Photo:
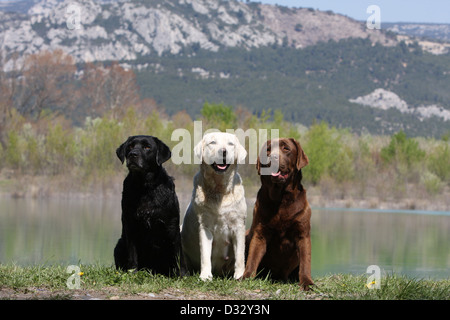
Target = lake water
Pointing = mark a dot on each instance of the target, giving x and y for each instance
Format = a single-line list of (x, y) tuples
[(74, 231)]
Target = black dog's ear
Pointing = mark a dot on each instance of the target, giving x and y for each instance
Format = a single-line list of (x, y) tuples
[(120, 151), (163, 153)]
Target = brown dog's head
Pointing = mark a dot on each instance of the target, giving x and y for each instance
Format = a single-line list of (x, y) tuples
[(281, 161)]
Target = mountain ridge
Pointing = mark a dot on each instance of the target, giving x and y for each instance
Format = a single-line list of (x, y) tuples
[(118, 30)]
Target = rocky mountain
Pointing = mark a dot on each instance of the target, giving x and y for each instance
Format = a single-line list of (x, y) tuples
[(125, 30), (435, 31), (434, 38), (313, 65), (385, 100)]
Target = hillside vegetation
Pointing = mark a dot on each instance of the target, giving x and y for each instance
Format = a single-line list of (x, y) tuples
[(315, 83), (48, 157)]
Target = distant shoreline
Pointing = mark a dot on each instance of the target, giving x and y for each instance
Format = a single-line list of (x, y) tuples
[(406, 211), (317, 202)]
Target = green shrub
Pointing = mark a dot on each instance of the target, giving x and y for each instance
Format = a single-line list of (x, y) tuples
[(13, 156), (404, 155), (98, 143), (326, 154), (218, 116), (33, 154), (432, 183), (60, 148), (439, 162), (402, 149)]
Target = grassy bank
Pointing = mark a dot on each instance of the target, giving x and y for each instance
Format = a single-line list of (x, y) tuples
[(104, 282)]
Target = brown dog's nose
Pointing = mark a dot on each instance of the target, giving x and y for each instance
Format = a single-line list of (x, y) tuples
[(275, 156)]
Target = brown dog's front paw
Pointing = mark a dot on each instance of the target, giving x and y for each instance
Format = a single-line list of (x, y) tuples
[(305, 284), (247, 274)]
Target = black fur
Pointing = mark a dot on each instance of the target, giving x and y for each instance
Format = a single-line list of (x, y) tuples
[(150, 210)]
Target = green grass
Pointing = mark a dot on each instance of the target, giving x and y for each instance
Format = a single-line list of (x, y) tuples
[(105, 282)]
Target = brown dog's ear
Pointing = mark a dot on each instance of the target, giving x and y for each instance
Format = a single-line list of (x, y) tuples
[(262, 152), (258, 166), (302, 159)]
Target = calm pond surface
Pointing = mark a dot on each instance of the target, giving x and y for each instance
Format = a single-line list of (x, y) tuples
[(74, 231)]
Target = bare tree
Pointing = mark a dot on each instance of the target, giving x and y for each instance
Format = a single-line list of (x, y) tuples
[(47, 82), (109, 89), (8, 88)]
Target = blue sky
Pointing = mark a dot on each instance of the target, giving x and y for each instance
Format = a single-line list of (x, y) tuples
[(430, 11), (425, 11)]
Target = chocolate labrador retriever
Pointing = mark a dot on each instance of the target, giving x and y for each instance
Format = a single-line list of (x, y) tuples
[(279, 239), (151, 237)]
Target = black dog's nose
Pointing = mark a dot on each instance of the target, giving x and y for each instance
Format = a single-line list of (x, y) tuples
[(133, 153)]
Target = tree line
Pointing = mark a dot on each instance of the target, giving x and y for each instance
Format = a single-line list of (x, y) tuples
[(60, 120), (50, 84), (339, 159)]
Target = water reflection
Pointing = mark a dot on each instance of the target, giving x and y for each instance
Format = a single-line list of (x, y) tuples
[(85, 231), (403, 243), (58, 231)]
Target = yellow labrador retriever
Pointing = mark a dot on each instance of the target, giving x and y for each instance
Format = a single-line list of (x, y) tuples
[(213, 232)]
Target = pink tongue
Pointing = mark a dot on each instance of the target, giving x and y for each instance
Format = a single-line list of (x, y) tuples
[(221, 167), (276, 174)]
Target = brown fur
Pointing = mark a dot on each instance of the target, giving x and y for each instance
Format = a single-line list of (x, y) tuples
[(279, 239)]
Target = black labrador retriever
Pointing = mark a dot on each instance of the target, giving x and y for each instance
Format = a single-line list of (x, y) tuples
[(150, 211)]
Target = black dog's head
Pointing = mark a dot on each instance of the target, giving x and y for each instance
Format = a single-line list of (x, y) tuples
[(143, 153)]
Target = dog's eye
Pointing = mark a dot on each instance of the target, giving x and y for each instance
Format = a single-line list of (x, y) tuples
[(212, 142), (230, 143), (147, 147), (286, 148)]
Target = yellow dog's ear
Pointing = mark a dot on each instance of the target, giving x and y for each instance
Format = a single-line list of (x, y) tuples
[(240, 152), (302, 159)]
